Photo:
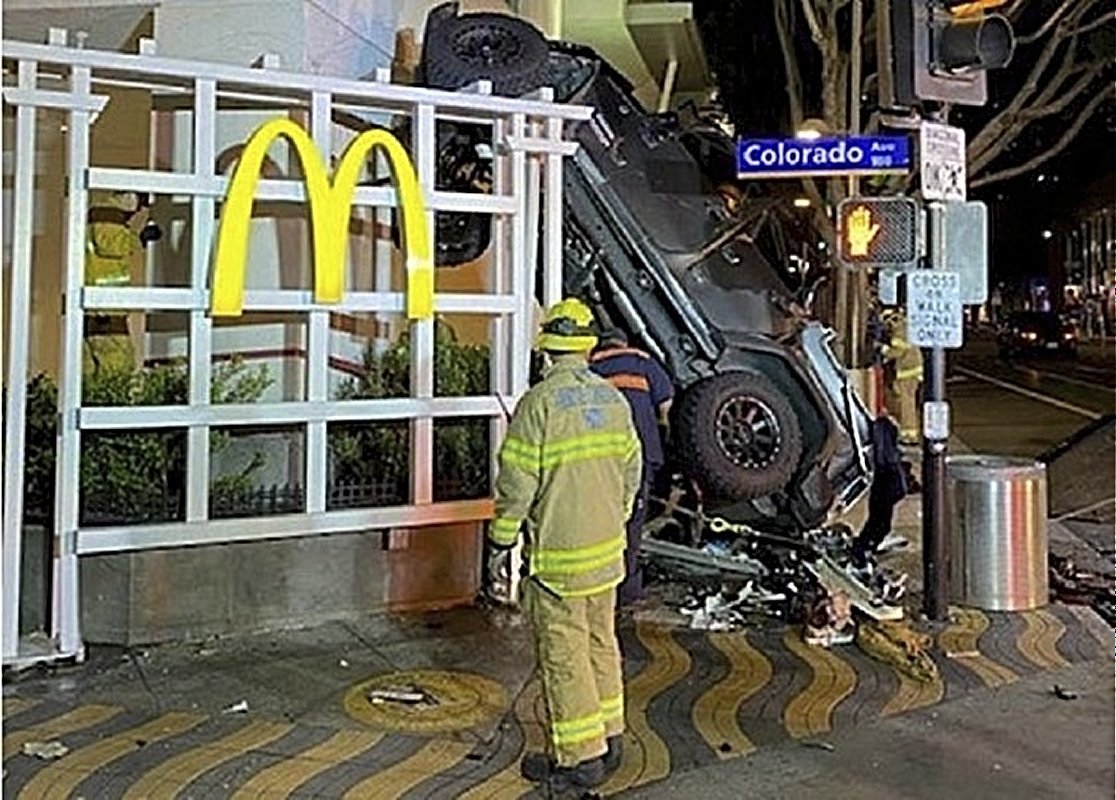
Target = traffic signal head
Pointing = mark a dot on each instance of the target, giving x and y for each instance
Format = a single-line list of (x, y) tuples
[(878, 232), (963, 43), (940, 50)]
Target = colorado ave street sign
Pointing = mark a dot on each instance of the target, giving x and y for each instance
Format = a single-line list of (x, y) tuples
[(934, 311), (846, 155)]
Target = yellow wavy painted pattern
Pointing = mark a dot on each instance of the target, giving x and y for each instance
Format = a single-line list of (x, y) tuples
[(1039, 639), (716, 713), (810, 712), (508, 784), (959, 641), (646, 757)]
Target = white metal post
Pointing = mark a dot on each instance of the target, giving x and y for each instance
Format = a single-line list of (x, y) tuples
[(422, 331), (501, 325), (522, 284), (202, 209), (19, 330), (317, 349), (66, 626), (552, 210), (523, 289), (530, 264)]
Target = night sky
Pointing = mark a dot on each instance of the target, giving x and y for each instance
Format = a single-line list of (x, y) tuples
[(742, 46)]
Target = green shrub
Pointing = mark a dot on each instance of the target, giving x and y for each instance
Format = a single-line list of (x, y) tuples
[(132, 475), (380, 453)]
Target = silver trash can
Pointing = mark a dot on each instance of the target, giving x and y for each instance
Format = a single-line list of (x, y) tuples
[(998, 549)]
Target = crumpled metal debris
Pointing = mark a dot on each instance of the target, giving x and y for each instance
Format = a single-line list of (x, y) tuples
[(830, 621), (409, 695), (1063, 693), (1071, 584), (240, 707), (900, 646), (729, 608), (735, 571), (47, 751)]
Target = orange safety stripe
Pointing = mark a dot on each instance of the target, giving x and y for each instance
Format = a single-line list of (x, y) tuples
[(603, 355), (628, 381)]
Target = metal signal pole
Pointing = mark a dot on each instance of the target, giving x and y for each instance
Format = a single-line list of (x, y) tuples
[(935, 532)]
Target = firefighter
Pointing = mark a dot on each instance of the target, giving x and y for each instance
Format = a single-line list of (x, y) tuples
[(906, 378), (110, 247), (569, 473), (649, 391)]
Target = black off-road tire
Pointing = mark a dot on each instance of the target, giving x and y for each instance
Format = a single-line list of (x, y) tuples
[(759, 465), (508, 51)]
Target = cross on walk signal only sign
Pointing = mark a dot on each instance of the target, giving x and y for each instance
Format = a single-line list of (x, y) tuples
[(878, 231), (934, 310)]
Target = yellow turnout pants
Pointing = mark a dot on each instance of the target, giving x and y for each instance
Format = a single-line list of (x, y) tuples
[(579, 666), (910, 424)]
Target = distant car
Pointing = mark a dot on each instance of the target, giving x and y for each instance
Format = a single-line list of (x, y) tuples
[(1033, 332)]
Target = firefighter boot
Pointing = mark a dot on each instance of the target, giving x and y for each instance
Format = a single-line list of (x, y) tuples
[(611, 760), (540, 768)]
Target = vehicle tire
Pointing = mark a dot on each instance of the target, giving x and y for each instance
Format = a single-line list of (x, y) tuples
[(508, 51), (738, 436)]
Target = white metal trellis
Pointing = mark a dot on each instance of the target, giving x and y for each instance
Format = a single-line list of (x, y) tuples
[(530, 143)]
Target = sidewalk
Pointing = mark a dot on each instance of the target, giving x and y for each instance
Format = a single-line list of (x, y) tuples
[(1014, 743), (288, 715), (154, 724)]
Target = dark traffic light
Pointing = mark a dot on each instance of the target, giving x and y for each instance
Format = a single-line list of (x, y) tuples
[(940, 50), (969, 42)]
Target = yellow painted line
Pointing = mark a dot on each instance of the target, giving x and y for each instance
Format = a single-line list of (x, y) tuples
[(913, 694), (647, 758), (1039, 640), (716, 713), (810, 712), (397, 780), (59, 780), (76, 719), (283, 778), (959, 641), (17, 705), (165, 781), (508, 784)]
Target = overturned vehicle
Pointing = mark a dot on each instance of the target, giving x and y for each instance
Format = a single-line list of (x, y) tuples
[(765, 422)]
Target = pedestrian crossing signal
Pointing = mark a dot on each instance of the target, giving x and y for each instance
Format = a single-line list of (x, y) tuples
[(878, 232)]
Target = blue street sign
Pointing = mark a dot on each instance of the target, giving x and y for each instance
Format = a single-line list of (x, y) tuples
[(838, 155)]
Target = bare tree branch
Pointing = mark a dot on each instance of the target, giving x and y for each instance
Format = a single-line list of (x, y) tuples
[(1049, 152), (811, 14), (790, 60), (1050, 22), (1100, 21), (991, 139), (1065, 96), (1016, 7)]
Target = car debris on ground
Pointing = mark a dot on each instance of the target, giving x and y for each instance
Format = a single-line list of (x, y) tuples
[(723, 576), (1076, 586), (900, 646), (46, 751), (410, 695)]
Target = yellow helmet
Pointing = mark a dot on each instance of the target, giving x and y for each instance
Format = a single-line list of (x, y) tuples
[(567, 328)]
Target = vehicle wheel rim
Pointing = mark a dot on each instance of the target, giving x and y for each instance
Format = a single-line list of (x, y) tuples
[(748, 432), (489, 48)]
